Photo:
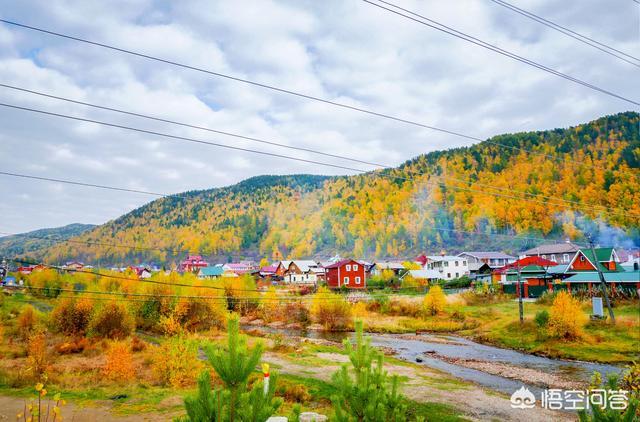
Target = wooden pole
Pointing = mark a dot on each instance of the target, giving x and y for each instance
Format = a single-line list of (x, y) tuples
[(520, 304), (603, 283)]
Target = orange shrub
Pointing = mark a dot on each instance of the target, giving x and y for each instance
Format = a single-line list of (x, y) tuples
[(71, 316), (76, 346), (119, 365), (200, 314), (27, 321), (137, 344), (359, 309), (566, 319), (113, 320)]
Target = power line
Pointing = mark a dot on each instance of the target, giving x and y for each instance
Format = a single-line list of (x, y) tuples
[(216, 144), (272, 87), (254, 139), (573, 34), (71, 182), (395, 9)]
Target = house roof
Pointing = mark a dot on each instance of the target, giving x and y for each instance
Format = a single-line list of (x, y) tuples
[(566, 247), (477, 266), (269, 269), (438, 258), (390, 265), (602, 255), (303, 265), (211, 271), (488, 255), (593, 277), (341, 263), (525, 262)]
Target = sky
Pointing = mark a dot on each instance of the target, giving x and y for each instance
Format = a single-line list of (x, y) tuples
[(345, 51)]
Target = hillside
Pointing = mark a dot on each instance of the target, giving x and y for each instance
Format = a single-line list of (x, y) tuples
[(26, 243), (405, 210)]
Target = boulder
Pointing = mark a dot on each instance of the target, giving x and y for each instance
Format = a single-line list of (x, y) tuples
[(312, 417)]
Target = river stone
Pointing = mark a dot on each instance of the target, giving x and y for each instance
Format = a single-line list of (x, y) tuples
[(277, 419), (257, 322), (276, 324), (312, 417), (294, 326)]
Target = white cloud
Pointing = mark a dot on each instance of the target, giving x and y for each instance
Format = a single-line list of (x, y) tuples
[(344, 51)]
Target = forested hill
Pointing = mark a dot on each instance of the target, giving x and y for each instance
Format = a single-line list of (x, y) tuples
[(434, 201), (27, 243)]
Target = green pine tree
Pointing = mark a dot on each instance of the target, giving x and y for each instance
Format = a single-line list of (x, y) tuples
[(234, 401), (368, 394)]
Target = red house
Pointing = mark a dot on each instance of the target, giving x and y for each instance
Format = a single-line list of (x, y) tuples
[(348, 273), (193, 263)]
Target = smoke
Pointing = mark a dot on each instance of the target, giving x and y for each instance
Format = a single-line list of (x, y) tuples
[(603, 234)]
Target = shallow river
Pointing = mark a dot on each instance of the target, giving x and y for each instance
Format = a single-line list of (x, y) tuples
[(459, 347)]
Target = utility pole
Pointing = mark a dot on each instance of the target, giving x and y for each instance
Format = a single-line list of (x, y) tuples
[(603, 283), (520, 305)]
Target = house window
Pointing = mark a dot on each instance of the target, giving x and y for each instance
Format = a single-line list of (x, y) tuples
[(346, 280), (581, 258), (457, 275), (357, 280), (448, 275), (348, 267), (355, 267), (553, 258), (446, 263), (544, 256), (456, 263), (565, 257)]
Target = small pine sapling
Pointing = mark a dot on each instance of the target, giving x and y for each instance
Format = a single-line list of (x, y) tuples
[(368, 394)]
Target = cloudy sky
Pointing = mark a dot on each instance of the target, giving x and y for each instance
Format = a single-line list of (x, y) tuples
[(346, 51)]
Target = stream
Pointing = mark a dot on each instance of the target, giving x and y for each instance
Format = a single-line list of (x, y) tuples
[(426, 346)]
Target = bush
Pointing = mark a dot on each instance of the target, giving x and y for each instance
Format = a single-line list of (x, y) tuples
[(199, 314), (403, 307), (293, 392), (71, 316), (434, 301), (330, 310), (547, 297), (542, 318), (27, 321), (296, 312), (175, 363), (270, 309), (113, 320), (119, 365), (630, 380), (458, 283), (567, 318), (76, 346), (137, 344)]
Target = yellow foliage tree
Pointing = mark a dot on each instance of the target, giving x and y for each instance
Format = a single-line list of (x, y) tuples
[(434, 301), (270, 307), (566, 319), (330, 309)]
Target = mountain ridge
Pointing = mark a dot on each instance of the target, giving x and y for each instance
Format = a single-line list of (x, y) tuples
[(403, 210)]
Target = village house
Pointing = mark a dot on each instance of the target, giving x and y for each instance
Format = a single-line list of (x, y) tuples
[(302, 272), (396, 267), (422, 276), (492, 259), (450, 267), (28, 269), (582, 271), (238, 268), (73, 266), (348, 273), (192, 264), (561, 253), (210, 272), (534, 273)]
